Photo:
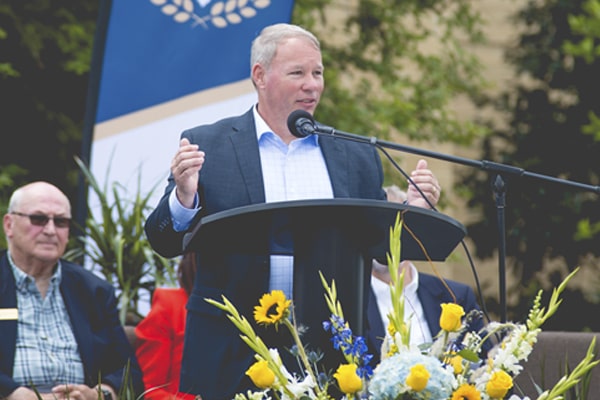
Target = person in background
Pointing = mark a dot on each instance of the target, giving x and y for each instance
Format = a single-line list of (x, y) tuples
[(250, 159), (160, 336), (60, 333), (424, 294)]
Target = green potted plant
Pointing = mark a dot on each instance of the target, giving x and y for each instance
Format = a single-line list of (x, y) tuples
[(114, 243)]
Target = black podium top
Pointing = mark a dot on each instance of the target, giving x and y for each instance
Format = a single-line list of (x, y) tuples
[(367, 222)]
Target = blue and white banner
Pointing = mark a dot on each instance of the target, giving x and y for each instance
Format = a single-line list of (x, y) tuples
[(168, 65)]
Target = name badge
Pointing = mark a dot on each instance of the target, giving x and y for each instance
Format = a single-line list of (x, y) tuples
[(9, 314)]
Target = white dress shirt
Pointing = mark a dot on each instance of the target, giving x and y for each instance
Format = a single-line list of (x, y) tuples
[(294, 171), (413, 310)]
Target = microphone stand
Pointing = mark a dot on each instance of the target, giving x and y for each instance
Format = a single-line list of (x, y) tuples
[(499, 187)]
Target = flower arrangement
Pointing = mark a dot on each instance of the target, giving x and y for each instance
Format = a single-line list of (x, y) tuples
[(452, 367)]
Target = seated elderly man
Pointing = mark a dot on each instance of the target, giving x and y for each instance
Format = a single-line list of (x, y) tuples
[(60, 333)]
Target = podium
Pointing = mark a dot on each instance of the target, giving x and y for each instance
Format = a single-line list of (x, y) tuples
[(338, 237)]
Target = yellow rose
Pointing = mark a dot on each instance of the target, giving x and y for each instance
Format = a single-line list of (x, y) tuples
[(451, 317), (347, 379), (418, 377), (261, 374), (498, 385)]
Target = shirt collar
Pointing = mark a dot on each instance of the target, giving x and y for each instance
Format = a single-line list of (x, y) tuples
[(263, 128), (380, 286), (259, 123), (411, 288), (22, 279)]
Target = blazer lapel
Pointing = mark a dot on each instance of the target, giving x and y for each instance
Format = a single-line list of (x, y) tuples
[(431, 294), (245, 146), (376, 330), (336, 159), (82, 331)]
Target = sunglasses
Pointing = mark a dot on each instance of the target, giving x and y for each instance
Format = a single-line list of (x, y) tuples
[(42, 219)]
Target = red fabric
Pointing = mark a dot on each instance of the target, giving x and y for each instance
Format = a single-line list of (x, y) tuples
[(160, 344)]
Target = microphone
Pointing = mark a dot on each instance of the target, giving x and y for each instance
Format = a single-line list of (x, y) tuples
[(301, 123)]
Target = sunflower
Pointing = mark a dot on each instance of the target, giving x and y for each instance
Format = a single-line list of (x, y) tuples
[(273, 308), (466, 392)]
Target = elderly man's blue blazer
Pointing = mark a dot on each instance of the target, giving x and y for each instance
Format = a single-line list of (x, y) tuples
[(92, 309)]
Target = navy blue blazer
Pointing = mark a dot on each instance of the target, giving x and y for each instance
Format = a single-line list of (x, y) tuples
[(92, 308), (215, 359), (431, 293)]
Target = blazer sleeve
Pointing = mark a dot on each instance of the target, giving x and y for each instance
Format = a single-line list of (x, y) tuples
[(231, 177), (159, 227), (104, 348)]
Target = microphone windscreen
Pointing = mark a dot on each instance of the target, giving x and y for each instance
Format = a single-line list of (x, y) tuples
[(293, 119)]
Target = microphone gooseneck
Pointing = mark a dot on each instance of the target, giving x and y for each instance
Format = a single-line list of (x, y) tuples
[(301, 123)]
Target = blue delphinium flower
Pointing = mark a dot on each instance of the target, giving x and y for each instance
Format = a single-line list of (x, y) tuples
[(352, 346)]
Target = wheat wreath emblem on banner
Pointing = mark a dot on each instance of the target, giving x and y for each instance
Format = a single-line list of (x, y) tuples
[(220, 15)]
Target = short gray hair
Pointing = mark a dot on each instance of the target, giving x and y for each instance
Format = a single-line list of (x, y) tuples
[(264, 46)]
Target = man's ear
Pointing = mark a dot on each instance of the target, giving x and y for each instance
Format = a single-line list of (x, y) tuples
[(258, 75), (7, 222)]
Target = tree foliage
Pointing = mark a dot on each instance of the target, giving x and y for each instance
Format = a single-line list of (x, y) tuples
[(551, 111), (45, 52)]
